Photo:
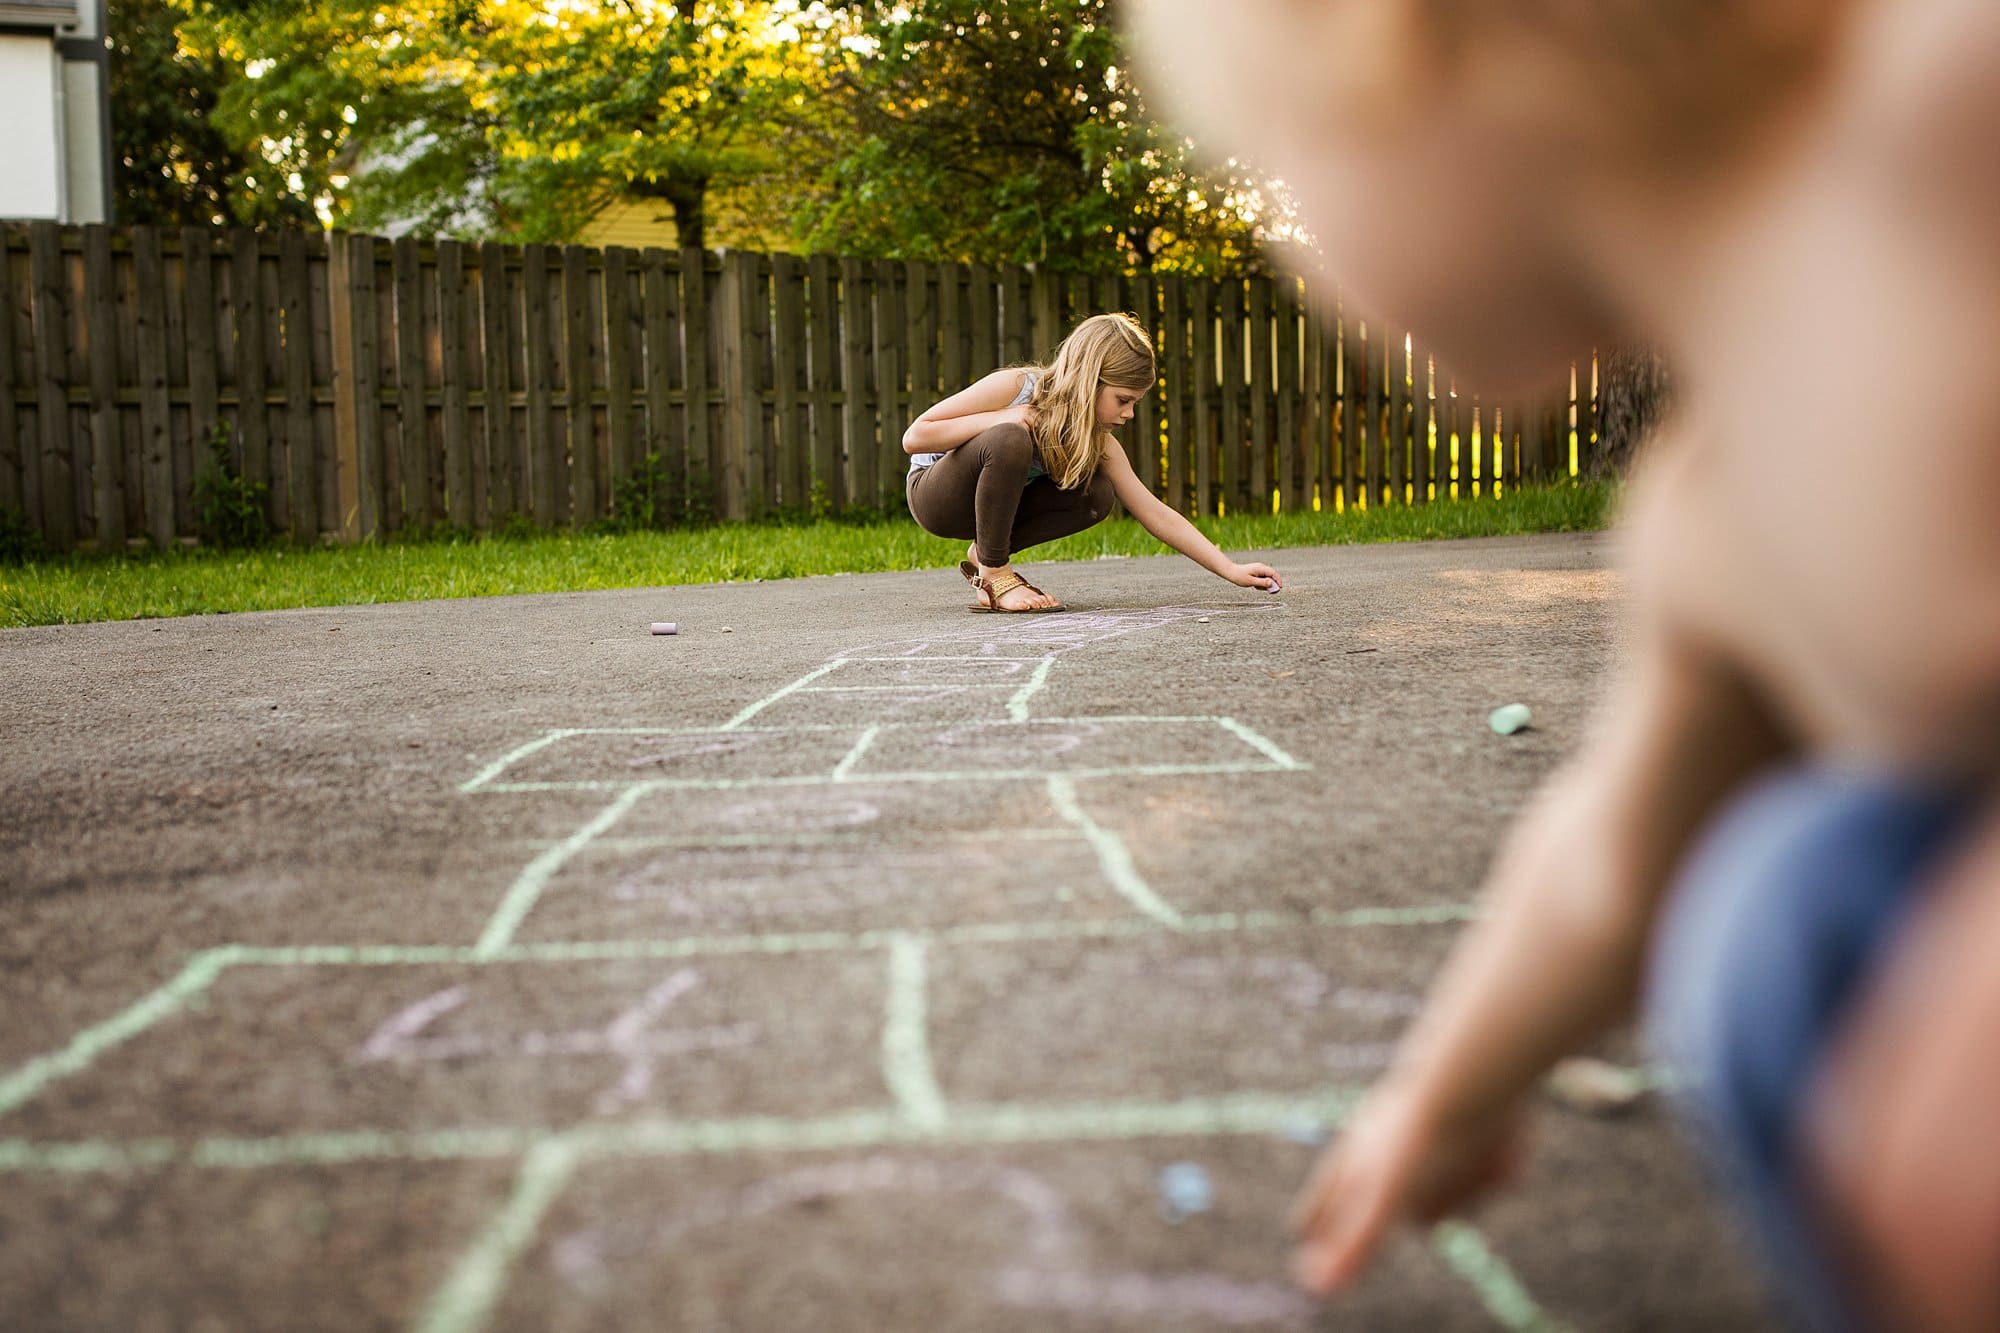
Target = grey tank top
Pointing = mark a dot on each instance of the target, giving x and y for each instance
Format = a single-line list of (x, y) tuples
[(920, 461)]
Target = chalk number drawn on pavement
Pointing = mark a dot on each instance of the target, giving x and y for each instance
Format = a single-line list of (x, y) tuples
[(831, 799)]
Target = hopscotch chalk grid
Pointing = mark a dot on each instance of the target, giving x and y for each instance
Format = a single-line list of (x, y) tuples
[(764, 757)]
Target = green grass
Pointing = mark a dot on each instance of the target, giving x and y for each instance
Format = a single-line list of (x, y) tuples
[(86, 588)]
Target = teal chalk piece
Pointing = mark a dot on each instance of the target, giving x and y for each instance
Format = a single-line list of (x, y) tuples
[(1509, 718), (1184, 1191)]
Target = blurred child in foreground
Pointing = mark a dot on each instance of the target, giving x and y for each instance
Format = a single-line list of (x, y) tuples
[(1781, 839)]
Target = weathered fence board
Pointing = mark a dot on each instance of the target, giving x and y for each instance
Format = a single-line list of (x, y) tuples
[(495, 410), (579, 437), (824, 380), (545, 453), (107, 459), (413, 451), (13, 497), (50, 440), (1179, 394), (892, 396), (1290, 421), (921, 326), (791, 481), (456, 370), (1259, 380), (859, 432), (156, 447), (1202, 420)]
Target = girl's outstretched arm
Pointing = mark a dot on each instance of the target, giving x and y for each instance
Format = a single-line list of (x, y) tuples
[(1174, 529)]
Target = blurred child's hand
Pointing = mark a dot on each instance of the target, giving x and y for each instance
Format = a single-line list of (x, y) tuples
[(1395, 1163)]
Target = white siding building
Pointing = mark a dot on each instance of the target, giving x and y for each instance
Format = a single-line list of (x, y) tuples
[(55, 151)]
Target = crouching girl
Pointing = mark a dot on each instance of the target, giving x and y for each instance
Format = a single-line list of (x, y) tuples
[(1026, 455)]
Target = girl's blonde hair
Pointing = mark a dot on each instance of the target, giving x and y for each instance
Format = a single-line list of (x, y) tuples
[(1104, 349)]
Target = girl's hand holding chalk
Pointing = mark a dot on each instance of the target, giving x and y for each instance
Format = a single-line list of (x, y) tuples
[(1258, 576)]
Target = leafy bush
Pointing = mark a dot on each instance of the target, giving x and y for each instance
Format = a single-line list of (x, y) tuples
[(517, 527), (228, 507), (19, 542), (695, 506), (654, 498), (642, 501)]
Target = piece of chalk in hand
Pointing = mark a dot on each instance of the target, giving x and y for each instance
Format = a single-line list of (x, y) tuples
[(1509, 718), (665, 627)]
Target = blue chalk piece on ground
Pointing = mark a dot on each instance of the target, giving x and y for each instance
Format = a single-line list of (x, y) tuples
[(1509, 718), (1185, 1190)]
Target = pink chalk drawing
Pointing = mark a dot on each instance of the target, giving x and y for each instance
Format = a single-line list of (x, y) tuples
[(931, 669), (629, 1037), (696, 882), (1148, 1297), (1303, 985), (798, 813), (1079, 629), (1051, 1270), (670, 749), (1030, 738)]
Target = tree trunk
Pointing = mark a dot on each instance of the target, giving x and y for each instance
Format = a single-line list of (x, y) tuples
[(1140, 241), (688, 197), (1634, 395), (690, 219)]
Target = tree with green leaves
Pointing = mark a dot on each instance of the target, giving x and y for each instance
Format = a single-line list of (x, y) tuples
[(514, 118), (1004, 130), (171, 162), (1008, 130)]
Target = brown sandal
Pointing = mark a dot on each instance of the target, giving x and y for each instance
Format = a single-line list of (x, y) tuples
[(995, 589)]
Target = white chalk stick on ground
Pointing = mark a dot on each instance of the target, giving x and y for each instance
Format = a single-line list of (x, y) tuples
[(665, 627), (1595, 1087)]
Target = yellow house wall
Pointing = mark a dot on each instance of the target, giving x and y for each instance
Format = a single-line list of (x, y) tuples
[(634, 222)]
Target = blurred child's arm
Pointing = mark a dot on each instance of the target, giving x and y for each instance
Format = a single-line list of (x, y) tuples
[(1557, 953), (1175, 530)]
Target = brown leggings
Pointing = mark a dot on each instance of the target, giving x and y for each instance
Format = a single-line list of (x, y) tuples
[(980, 491)]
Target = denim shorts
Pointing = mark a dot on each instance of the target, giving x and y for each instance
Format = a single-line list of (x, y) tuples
[(1788, 903)]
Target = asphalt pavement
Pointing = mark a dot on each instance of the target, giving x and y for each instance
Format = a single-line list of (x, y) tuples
[(844, 960)]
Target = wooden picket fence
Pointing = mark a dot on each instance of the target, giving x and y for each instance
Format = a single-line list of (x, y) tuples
[(380, 387)]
